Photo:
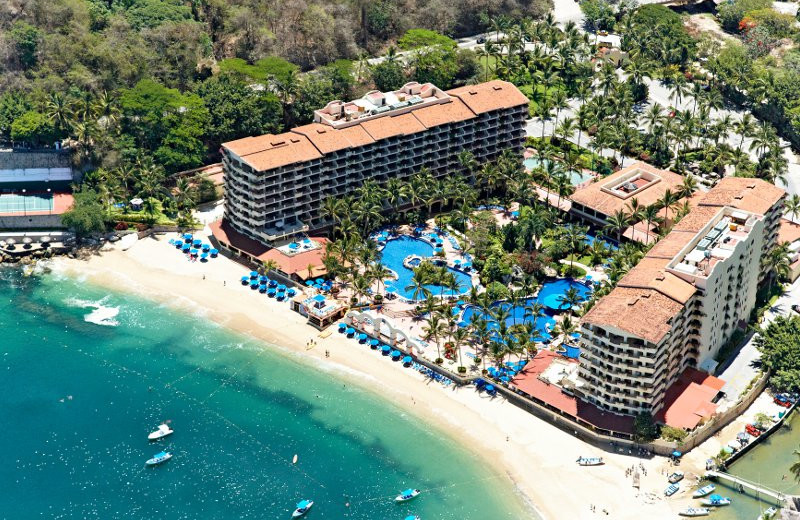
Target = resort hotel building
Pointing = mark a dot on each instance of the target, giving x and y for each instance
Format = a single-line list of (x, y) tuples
[(674, 311), (275, 184)]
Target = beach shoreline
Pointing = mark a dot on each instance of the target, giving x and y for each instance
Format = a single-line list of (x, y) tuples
[(536, 457)]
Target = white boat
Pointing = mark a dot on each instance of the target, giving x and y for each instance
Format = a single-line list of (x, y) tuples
[(302, 508), (705, 490), (716, 501), (590, 461), (412, 517), (159, 458), (407, 495), (768, 514), (672, 489), (677, 476), (695, 511), (160, 433)]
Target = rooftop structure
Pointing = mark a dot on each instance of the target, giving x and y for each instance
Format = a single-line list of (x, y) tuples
[(643, 182), (683, 301), (275, 184)]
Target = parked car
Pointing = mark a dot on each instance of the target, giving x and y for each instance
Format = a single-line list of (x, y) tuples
[(796, 308), (481, 39)]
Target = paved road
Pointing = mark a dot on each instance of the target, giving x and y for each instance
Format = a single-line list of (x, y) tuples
[(744, 368)]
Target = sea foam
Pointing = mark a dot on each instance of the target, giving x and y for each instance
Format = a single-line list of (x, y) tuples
[(101, 314)]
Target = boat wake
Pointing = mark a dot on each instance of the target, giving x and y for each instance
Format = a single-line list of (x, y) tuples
[(101, 314)]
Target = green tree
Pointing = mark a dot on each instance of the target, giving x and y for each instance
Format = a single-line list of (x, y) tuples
[(416, 38), (87, 214), (779, 345), (25, 38), (644, 428), (32, 127), (388, 75), (148, 14), (236, 110)]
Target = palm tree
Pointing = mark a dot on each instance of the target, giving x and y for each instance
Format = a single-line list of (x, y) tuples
[(650, 214), (59, 112), (460, 337), (435, 329), (417, 287), (744, 127), (575, 236), (667, 201), (570, 299), (795, 468), (617, 223), (777, 263), (185, 194), (687, 187), (792, 206)]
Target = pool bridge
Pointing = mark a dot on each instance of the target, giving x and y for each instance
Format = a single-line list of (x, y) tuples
[(739, 482)]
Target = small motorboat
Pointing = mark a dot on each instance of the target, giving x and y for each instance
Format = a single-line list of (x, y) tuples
[(695, 511), (302, 508), (160, 433), (590, 461), (704, 491), (716, 501), (159, 458), (677, 476), (672, 489), (407, 495), (768, 514), (412, 517)]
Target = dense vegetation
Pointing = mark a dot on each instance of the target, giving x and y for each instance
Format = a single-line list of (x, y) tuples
[(779, 344)]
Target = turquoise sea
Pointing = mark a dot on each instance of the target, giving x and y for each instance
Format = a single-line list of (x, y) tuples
[(88, 373)]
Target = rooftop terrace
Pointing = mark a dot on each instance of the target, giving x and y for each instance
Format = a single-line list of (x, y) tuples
[(715, 242), (373, 104)]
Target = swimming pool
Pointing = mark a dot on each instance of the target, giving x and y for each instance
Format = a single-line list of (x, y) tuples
[(547, 296), (575, 177), (398, 249), (591, 239)]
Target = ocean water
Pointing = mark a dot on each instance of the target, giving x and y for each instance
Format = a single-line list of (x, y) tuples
[(767, 464), (88, 373)]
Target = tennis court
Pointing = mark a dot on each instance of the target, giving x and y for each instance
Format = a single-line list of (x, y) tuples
[(16, 203)]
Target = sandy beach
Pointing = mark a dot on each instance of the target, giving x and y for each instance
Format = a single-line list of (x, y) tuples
[(538, 457)]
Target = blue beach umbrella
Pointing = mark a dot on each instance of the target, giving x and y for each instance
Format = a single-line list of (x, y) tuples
[(272, 283), (407, 360), (214, 252), (253, 274), (342, 327), (281, 288), (187, 236), (350, 331), (203, 256), (291, 292), (262, 289), (386, 349), (362, 337), (293, 245), (270, 292), (373, 342), (245, 280), (254, 285), (206, 247), (309, 283), (396, 354), (263, 279)]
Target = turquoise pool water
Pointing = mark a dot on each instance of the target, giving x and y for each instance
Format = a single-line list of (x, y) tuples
[(547, 296), (575, 177), (398, 249)]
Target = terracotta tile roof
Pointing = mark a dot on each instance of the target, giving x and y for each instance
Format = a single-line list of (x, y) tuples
[(328, 139), (689, 399), (551, 395), (649, 273), (754, 195), (492, 95), (391, 126), (644, 313), (593, 196), (697, 219), (442, 113), (269, 151), (295, 264), (789, 231), (669, 246)]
